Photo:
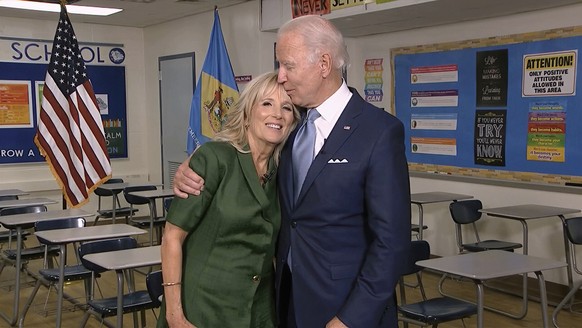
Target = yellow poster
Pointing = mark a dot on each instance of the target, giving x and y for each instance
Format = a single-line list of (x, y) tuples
[(15, 104), (343, 4)]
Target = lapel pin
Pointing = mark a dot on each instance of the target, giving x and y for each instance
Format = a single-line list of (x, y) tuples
[(347, 127)]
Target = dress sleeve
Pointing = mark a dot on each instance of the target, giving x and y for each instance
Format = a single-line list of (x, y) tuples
[(187, 213)]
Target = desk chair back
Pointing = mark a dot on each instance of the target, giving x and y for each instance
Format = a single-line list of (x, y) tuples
[(153, 220), (154, 282), (100, 192), (168, 203), (108, 212), (58, 224), (429, 311), (137, 200), (466, 212), (573, 230), (23, 210), (7, 236), (106, 245), (50, 276), (31, 253), (99, 246)]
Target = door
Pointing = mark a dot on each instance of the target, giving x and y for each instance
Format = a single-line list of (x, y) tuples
[(177, 84)]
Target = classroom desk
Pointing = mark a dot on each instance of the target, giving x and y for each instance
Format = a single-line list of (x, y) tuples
[(19, 222), (12, 192), (492, 264), (420, 199), (62, 237), (115, 188), (526, 212), (152, 195), (25, 202), (123, 260)]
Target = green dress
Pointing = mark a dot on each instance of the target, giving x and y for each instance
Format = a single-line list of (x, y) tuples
[(228, 274)]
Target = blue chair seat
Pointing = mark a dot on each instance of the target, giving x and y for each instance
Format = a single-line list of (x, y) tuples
[(440, 309), (145, 222), (72, 273), (416, 227), (124, 211), (31, 253), (492, 244), (5, 235), (132, 302)]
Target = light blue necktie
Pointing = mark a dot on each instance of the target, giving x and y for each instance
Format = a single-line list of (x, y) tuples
[(303, 150)]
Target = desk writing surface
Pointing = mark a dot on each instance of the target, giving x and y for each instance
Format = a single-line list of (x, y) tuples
[(528, 211), (122, 185), (158, 193), (12, 192), (436, 197), (127, 258), (13, 221), (114, 186), (63, 236), (490, 264), (26, 202)]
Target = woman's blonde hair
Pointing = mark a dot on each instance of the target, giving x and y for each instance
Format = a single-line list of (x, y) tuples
[(235, 129)]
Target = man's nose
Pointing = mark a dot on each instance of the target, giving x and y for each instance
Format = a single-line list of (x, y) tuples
[(281, 76)]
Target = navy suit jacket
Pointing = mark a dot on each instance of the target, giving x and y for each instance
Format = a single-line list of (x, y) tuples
[(349, 231)]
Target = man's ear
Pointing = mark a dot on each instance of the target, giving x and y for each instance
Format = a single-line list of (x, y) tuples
[(325, 65)]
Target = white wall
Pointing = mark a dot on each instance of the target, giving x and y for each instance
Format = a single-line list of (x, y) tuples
[(545, 235)]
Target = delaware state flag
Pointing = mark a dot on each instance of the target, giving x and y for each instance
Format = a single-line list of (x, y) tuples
[(216, 91)]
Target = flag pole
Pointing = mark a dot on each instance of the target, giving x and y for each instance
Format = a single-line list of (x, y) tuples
[(63, 198)]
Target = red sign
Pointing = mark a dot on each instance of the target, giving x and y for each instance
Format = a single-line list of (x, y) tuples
[(310, 7)]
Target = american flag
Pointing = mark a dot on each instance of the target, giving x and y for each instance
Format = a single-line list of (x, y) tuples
[(70, 132)]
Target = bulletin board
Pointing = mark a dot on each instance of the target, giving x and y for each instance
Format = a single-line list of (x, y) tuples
[(20, 97), (507, 108)]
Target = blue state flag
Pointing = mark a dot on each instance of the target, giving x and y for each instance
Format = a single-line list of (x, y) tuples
[(216, 91)]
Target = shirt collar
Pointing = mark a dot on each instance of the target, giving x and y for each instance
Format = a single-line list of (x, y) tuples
[(333, 106)]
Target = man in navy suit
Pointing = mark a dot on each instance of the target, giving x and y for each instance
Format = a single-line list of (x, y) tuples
[(344, 237)]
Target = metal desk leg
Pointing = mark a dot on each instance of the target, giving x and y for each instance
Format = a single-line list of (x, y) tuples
[(420, 221), (113, 207), (543, 298), (567, 298), (567, 251), (524, 299), (153, 213), (119, 298), (63, 255), (15, 307), (480, 302)]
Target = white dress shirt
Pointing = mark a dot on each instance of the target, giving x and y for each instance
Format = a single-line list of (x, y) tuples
[(330, 111)]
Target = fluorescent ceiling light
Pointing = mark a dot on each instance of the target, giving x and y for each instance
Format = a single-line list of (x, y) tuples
[(54, 7)]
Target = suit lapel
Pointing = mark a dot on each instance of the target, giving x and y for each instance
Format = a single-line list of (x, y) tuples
[(343, 129), (250, 173)]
